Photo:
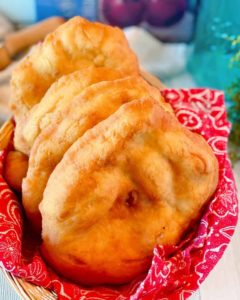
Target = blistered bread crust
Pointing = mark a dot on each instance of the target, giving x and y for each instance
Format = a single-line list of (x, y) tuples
[(69, 120), (75, 45), (135, 180)]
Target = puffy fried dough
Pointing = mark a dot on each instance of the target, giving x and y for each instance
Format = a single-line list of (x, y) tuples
[(75, 45), (94, 104), (137, 179), (55, 100)]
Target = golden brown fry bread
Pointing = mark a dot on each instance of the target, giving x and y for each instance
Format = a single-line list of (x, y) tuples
[(93, 105), (75, 45), (55, 100), (135, 180)]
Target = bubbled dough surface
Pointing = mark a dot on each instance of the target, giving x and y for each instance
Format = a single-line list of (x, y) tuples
[(69, 120), (136, 179), (75, 45)]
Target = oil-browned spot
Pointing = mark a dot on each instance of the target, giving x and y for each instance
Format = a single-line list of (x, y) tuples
[(132, 198)]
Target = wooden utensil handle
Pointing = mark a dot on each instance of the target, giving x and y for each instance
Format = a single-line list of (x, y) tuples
[(5, 59), (17, 41)]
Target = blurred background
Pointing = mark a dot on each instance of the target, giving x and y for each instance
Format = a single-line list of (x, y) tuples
[(185, 43)]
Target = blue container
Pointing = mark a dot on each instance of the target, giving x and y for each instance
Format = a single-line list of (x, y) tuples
[(218, 23)]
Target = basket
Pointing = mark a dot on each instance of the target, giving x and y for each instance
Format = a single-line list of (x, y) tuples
[(177, 276), (26, 290)]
